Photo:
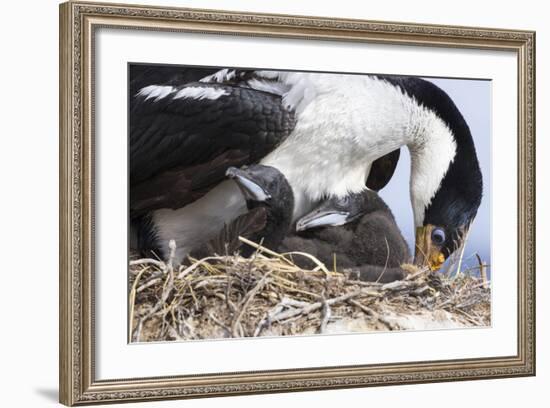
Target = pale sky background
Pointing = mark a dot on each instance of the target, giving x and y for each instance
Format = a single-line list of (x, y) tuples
[(473, 99)]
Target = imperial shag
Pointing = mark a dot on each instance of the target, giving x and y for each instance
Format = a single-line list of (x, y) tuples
[(324, 132)]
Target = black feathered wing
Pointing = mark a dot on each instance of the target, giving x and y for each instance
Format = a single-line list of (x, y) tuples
[(182, 139), (382, 170)]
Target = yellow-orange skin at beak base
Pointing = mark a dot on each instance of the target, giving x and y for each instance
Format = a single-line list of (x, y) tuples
[(427, 253), (437, 259)]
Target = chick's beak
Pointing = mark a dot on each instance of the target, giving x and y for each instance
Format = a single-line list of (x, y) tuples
[(249, 187), (427, 253), (322, 218)]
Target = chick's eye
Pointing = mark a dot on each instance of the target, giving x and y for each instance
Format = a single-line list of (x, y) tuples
[(438, 236), (343, 200)]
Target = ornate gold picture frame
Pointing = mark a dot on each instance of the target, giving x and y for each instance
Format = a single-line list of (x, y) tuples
[(79, 383)]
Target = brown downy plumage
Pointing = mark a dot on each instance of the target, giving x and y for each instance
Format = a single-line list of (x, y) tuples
[(357, 233)]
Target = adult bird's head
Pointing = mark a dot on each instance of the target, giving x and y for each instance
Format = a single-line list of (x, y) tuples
[(446, 179), (447, 220)]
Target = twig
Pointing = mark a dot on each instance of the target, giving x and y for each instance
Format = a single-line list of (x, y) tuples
[(167, 289), (482, 271), (267, 319), (320, 265), (457, 274), (132, 301), (376, 316), (170, 265), (420, 291), (148, 261), (194, 266), (387, 259), (417, 274), (148, 284), (246, 302), (314, 306), (396, 286), (326, 313), (219, 323), (261, 248)]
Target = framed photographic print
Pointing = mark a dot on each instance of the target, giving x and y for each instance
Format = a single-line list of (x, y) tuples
[(259, 203)]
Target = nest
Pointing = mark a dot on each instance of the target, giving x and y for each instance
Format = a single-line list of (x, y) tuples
[(268, 295)]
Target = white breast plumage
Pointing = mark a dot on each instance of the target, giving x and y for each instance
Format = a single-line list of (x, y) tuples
[(351, 121)]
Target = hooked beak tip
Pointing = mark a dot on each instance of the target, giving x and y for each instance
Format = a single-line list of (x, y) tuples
[(322, 219), (249, 188), (231, 172)]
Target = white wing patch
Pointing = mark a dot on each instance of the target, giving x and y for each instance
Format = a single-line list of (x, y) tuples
[(156, 91), (195, 92), (220, 76)]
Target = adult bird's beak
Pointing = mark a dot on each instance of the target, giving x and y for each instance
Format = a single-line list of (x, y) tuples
[(245, 180), (427, 253)]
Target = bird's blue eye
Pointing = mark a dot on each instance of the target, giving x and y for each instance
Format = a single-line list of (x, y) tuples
[(438, 236)]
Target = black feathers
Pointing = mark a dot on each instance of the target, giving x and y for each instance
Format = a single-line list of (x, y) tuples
[(147, 240), (179, 130), (181, 144), (382, 170), (455, 204)]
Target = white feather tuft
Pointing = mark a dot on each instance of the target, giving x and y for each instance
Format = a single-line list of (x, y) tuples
[(155, 91), (220, 76), (195, 92)]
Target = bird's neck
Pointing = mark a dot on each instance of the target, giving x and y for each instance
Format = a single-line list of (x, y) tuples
[(278, 226), (278, 222), (433, 148)]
